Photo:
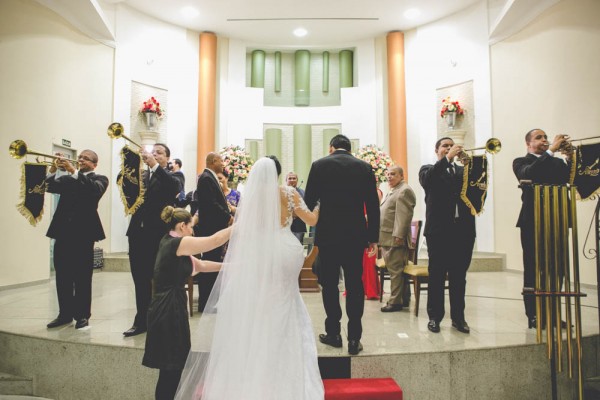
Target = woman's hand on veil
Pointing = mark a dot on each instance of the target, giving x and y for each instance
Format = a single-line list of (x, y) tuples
[(204, 265)]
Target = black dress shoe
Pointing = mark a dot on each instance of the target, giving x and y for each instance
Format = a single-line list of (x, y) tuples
[(391, 308), (81, 323), (331, 340), (433, 326), (55, 323), (134, 330), (532, 323), (354, 347), (461, 326)]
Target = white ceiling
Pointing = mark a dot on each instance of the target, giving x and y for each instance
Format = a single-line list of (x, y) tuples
[(269, 22)]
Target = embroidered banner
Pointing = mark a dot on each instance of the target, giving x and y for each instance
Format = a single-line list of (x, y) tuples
[(130, 181), (587, 177), (475, 183), (33, 188)]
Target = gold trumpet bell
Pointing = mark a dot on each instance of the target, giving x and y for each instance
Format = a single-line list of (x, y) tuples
[(17, 149), (493, 146), (115, 130)]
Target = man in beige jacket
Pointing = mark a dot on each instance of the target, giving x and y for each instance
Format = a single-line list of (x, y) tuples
[(395, 236)]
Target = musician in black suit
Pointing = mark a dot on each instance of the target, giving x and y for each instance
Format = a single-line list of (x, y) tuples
[(450, 233), (146, 229), (541, 167), (298, 226), (75, 227), (213, 215), (343, 185)]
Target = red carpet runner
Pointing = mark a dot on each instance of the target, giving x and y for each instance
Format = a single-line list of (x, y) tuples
[(362, 389)]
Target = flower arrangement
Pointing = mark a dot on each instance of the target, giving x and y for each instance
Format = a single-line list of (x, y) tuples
[(378, 159), (152, 106), (449, 105), (236, 162)]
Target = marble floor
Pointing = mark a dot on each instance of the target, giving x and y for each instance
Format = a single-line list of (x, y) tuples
[(494, 311)]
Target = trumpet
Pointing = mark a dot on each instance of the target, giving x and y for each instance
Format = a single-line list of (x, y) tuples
[(492, 146), (115, 131), (567, 145), (18, 149)]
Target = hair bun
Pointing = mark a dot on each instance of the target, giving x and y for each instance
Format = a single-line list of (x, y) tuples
[(167, 214)]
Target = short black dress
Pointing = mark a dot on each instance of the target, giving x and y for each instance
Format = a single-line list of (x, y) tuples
[(168, 338)]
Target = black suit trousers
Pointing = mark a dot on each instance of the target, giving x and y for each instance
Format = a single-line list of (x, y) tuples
[(143, 248), (73, 263), (206, 280), (349, 258), (448, 255), (528, 245)]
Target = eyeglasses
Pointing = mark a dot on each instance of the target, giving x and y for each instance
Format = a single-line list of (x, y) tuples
[(85, 158)]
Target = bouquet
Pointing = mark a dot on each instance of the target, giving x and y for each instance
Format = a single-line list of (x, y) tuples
[(236, 162), (449, 105), (152, 106), (378, 159)]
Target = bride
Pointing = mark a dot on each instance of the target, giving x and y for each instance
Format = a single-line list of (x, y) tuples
[(255, 338)]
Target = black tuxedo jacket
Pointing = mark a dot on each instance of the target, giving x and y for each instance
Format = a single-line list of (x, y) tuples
[(344, 185), (77, 212), (213, 212), (442, 197), (544, 169), (297, 224), (160, 192)]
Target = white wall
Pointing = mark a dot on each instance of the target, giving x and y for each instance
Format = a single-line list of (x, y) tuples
[(56, 84), (547, 77), (430, 51), (241, 113), (165, 56)]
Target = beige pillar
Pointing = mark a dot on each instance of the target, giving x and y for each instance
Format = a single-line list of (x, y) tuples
[(207, 82), (397, 99)]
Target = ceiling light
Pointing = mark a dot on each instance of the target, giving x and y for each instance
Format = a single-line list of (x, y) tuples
[(300, 32), (412, 13), (189, 12)]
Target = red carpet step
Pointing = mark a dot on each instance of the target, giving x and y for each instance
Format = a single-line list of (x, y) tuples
[(362, 389)]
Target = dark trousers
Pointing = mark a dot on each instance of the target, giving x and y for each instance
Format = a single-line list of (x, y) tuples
[(73, 263), (528, 245), (166, 387), (143, 247), (349, 258), (206, 280), (299, 236), (448, 255)]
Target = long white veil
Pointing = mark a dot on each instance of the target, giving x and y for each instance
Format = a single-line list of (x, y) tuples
[(233, 334)]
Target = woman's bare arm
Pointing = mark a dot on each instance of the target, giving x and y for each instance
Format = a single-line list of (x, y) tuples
[(190, 245)]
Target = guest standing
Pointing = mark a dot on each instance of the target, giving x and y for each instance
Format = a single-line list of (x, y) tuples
[(539, 166), (231, 195), (298, 226), (75, 227), (213, 215), (146, 229), (344, 185), (450, 233), (395, 236), (168, 339)]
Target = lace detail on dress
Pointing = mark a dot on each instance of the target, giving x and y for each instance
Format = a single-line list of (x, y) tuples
[(288, 191)]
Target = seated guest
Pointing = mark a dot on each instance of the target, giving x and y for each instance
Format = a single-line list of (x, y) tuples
[(168, 338)]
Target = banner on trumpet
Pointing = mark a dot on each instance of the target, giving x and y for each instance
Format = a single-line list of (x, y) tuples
[(130, 180), (475, 184), (587, 172), (33, 188)]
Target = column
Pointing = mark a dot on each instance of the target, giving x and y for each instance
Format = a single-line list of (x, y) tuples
[(302, 78), (346, 69), (272, 142), (253, 149), (277, 71), (302, 151), (397, 99), (207, 80), (257, 70), (328, 134), (325, 71)]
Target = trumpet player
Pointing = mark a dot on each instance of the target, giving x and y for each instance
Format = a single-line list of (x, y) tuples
[(540, 166), (450, 233), (75, 227)]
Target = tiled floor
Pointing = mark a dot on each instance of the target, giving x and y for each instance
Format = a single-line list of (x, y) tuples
[(494, 311)]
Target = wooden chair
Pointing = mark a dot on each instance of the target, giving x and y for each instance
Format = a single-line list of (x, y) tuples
[(190, 292), (411, 270)]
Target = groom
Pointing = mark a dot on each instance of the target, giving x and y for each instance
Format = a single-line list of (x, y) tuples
[(345, 186)]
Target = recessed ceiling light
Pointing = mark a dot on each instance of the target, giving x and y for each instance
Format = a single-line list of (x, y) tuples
[(300, 32), (412, 13), (189, 12)]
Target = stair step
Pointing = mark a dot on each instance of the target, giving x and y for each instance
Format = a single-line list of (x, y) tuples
[(18, 397), (15, 385)]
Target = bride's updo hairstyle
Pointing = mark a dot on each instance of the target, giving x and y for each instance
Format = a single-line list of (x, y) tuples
[(173, 216), (277, 164)]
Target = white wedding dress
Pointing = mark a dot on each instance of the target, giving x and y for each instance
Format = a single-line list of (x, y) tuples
[(255, 339)]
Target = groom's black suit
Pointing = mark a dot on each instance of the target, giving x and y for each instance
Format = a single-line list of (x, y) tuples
[(344, 185), (213, 215)]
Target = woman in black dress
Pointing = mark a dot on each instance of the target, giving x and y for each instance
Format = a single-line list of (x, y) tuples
[(168, 337)]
